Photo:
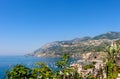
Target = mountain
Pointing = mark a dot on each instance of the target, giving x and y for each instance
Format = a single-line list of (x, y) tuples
[(77, 46), (109, 35)]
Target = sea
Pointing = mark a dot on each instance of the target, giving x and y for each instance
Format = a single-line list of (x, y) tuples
[(7, 62)]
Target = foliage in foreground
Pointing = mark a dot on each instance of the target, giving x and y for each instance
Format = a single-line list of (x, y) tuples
[(42, 71), (111, 66)]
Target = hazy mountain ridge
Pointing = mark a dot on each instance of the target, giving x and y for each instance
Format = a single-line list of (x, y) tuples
[(109, 35), (77, 46)]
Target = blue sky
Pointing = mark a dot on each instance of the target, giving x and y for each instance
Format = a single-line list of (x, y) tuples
[(26, 25)]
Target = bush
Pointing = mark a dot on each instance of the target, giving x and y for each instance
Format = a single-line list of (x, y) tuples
[(88, 66)]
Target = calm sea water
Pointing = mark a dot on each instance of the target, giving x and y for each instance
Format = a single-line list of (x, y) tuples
[(7, 62)]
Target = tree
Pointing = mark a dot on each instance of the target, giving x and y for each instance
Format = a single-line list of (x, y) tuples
[(111, 67), (63, 62), (66, 72), (112, 51), (18, 72), (42, 71)]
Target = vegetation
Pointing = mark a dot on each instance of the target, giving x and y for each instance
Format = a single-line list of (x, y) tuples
[(91, 77), (42, 71), (111, 67), (89, 66), (63, 63), (19, 72)]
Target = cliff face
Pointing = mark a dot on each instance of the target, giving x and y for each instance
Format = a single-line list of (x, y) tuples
[(77, 46)]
